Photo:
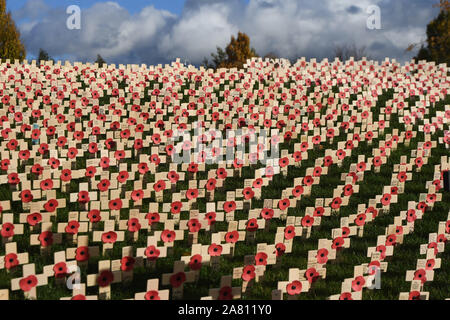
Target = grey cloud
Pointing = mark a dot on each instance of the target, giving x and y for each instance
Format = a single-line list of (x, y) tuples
[(288, 28)]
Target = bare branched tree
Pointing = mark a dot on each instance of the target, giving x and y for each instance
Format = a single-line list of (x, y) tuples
[(346, 51)]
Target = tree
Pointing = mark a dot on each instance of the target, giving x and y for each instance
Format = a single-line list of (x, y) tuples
[(238, 51), (100, 61), (10, 45), (218, 59), (43, 56), (438, 37), (346, 51)]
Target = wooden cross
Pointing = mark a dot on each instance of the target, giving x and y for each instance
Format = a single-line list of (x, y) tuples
[(177, 279)]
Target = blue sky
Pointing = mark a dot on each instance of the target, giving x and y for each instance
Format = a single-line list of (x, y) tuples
[(159, 31)]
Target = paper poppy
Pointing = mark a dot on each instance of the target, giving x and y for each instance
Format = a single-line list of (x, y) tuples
[(322, 256), (337, 243), (28, 283), (225, 293), (115, 204), (173, 176), (46, 238), (123, 176), (232, 237), (307, 221), (83, 197), (386, 199), (211, 217), (420, 275), (248, 273), (11, 261), (191, 194), (358, 283), (7, 230), (60, 270), (109, 237), (82, 254), (293, 288), (152, 217), (214, 250), (414, 295), (312, 275), (297, 191), (160, 185), (79, 297), (345, 296), (195, 263), (252, 225), (127, 263), (152, 253), (175, 207), (261, 259), (360, 219), (72, 227), (336, 203), (289, 232), (284, 204), (133, 225), (221, 173), (105, 278), (194, 225), (168, 236), (229, 206), (177, 279), (152, 295), (137, 195), (391, 239), (318, 212)]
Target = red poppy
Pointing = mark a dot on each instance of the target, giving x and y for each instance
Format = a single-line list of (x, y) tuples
[(7, 230), (414, 295), (13, 178), (176, 207), (152, 217), (60, 270), (152, 295), (115, 204), (312, 275), (83, 197), (289, 232), (336, 203), (420, 275), (123, 176), (66, 175), (232, 237), (211, 217), (261, 259), (105, 278), (133, 225), (177, 279), (377, 161), (46, 238), (214, 250), (79, 297), (195, 263), (307, 221), (297, 191), (248, 193), (72, 227), (46, 184), (267, 214), (82, 254), (127, 263), (137, 195), (337, 243), (160, 185), (345, 296), (229, 206), (318, 212), (386, 199), (248, 273), (284, 204), (280, 248), (11, 261), (360, 219), (94, 215), (322, 256), (168, 236), (109, 237), (252, 225), (192, 194), (173, 176), (90, 172), (358, 283), (152, 253), (28, 283), (225, 293), (294, 288), (221, 173), (391, 239)]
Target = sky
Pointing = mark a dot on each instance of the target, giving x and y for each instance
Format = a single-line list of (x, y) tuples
[(159, 31)]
